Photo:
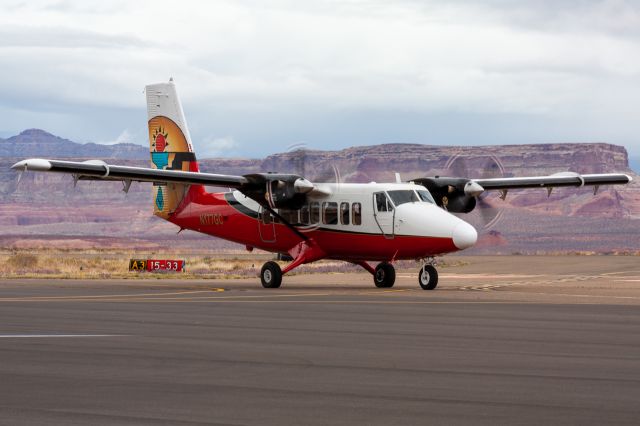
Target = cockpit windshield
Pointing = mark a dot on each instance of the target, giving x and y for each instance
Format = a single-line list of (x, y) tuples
[(403, 196), (426, 196), (409, 196)]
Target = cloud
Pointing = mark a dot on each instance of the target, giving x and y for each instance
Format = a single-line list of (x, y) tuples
[(271, 73), (217, 147), (23, 36), (124, 137)]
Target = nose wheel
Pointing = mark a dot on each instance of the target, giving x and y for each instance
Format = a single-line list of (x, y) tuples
[(384, 276), (271, 275), (428, 277)]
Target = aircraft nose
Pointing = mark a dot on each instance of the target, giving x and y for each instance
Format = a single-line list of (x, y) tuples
[(464, 235)]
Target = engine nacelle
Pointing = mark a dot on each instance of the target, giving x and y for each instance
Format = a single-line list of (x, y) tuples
[(278, 191), (449, 193), (458, 203)]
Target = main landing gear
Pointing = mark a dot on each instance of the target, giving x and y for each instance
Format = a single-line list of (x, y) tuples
[(271, 275), (305, 252), (384, 275)]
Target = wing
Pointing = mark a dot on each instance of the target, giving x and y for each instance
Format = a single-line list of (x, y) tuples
[(99, 170), (273, 190), (458, 194), (555, 180)]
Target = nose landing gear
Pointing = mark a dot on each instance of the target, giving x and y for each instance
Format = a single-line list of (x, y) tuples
[(428, 277)]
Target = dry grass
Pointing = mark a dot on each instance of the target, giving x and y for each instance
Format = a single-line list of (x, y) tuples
[(52, 263), (22, 261), (115, 264)]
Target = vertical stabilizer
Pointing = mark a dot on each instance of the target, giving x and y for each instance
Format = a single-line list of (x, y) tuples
[(169, 143)]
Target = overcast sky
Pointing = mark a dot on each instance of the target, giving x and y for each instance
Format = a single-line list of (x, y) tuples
[(256, 77)]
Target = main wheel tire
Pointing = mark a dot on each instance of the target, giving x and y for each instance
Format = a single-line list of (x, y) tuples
[(384, 276), (428, 277), (271, 275)]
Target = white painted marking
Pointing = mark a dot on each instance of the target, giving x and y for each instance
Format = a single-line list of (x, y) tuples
[(28, 336)]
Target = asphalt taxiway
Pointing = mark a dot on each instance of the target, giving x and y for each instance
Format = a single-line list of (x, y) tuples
[(501, 341)]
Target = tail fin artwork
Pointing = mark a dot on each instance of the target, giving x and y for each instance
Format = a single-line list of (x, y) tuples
[(169, 143)]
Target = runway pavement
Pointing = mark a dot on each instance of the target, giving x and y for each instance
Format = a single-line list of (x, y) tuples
[(499, 342)]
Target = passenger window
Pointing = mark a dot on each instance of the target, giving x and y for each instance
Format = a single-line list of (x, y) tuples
[(356, 213), (344, 213), (330, 213), (315, 212), (304, 214), (291, 216)]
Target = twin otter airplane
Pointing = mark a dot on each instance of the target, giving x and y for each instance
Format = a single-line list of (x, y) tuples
[(309, 221)]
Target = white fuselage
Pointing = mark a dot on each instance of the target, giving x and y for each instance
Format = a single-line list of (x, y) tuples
[(418, 217)]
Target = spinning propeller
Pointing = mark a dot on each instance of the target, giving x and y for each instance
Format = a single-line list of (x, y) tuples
[(486, 214), (299, 160)]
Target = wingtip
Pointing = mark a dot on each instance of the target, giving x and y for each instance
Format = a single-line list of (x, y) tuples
[(37, 164)]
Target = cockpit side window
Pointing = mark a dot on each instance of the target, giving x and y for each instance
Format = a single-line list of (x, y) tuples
[(382, 202)]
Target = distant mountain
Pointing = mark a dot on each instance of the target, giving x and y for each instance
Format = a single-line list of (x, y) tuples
[(634, 164), (38, 143)]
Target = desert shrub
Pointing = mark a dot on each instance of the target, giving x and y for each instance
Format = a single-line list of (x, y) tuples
[(22, 261)]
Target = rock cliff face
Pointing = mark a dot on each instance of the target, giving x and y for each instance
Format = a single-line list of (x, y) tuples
[(381, 161), (44, 206)]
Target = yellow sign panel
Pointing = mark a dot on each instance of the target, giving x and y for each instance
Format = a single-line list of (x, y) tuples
[(137, 265)]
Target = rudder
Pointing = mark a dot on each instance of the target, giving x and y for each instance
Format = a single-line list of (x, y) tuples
[(169, 144)]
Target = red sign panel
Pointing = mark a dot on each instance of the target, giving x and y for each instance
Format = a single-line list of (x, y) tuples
[(152, 265), (165, 265)]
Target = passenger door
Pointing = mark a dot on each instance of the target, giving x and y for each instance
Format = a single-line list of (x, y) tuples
[(266, 226), (384, 213)]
